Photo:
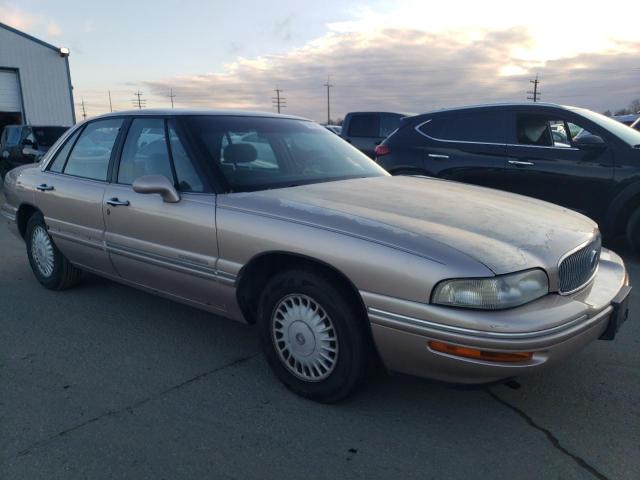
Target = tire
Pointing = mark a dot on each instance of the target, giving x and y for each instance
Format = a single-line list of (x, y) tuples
[(336, 374), (633, 231), (49, 265)]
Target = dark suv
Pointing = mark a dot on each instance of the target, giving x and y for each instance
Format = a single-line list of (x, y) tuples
[(565, 155), (20, 144), (365, 130)]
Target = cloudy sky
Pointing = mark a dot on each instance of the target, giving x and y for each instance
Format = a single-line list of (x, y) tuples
[(408, 56)]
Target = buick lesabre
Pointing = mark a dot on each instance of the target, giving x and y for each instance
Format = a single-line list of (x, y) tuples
[(275, 221)]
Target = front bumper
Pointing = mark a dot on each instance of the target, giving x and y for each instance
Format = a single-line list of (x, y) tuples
[(552, 327)]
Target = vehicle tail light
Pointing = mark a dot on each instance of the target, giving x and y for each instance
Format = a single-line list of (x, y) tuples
[(479, 354), (382, 150)]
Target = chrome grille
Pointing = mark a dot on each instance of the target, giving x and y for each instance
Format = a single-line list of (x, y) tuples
[(577, 269)]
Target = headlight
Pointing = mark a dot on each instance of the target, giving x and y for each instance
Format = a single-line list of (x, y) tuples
[(494, 293)]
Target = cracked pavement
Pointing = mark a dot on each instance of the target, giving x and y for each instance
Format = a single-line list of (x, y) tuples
[(104, 381)]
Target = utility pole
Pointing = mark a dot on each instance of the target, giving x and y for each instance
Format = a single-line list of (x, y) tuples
[(139, 101), (84, 109), (110, 106), (328, 85), (278, 101), (535, 95), (172, 96)]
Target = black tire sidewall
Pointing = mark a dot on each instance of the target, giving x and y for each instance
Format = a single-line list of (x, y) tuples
[(346, 319), (56, 278)]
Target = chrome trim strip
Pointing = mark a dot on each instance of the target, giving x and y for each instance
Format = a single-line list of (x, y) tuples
[(400, 320), (417, 129), (72, 238), (437, 155), (180, 265)]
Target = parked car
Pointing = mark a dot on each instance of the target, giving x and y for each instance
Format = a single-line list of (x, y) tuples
[(595, 169), (21, 144), (336, 261), (365, 130), (627, 119), (636, 124), (337, 129)]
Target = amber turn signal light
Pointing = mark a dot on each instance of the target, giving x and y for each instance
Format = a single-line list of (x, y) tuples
[(479, 354)]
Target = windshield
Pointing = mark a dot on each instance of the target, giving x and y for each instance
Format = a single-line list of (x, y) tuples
[(256, 153), (47, 136), (620, 130)]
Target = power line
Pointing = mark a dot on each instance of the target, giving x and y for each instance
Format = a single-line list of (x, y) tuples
[(84, 109), (535, 95), (171, 96), (278, 101), (139, 101), (328, 85)]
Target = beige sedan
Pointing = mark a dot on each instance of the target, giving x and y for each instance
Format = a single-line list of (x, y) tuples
[(274, 220)]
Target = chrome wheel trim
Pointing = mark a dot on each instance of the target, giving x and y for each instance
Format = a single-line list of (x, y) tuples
[(305, 338), (42, 251)]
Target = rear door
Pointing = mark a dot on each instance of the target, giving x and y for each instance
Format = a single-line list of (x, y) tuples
[(71, 190), (169, 247), (545, 163), (467, 146)]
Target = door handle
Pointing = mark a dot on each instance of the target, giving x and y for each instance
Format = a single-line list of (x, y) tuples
[(43, 187), (520, 163), (114, 202), (437, 155)]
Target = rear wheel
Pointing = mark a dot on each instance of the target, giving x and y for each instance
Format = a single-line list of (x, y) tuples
[(49, 265), (313, 335), (633, 231)]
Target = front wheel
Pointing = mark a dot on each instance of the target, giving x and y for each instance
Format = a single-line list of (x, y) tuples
[(313, 335), (49, 265)]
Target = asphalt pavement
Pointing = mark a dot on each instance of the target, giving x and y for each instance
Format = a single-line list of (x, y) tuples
[(104, 381)]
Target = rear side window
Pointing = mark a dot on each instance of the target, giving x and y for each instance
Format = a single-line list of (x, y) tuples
[(364, 125), (481, 127), (91, 153), (61, 156)]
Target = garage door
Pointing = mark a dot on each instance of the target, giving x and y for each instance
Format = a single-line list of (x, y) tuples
[(10, 100)]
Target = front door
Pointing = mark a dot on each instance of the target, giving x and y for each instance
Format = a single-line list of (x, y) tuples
[(168, 247), (545, 162), (71, 190)]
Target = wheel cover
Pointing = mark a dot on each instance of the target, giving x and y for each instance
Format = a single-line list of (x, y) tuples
[(42, 251), (305, 338)]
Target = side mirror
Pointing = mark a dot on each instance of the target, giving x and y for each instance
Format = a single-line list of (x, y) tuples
[(156, 184), (30, 152), (589, 141)]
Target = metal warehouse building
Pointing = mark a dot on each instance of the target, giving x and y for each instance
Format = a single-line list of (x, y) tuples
[(35, 84)]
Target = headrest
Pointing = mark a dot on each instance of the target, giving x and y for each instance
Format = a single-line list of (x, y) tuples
[(239, 153)]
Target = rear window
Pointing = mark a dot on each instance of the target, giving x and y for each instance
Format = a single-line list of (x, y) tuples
[(364, 125), (13, 136), (47, 136)]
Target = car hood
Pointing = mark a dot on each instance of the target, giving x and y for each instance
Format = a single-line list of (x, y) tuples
[(428, 216)]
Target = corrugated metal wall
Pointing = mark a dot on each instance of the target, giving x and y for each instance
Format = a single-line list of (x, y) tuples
[(43, 78)]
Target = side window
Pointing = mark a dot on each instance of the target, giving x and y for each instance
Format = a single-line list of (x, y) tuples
[(388, 124), (481, 127), (543, 131), (145, 151), (188, 178), (61, 156), (91, 153), (364, 125), (247, 150), (432, 127)]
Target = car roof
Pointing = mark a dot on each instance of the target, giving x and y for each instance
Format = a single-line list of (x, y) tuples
[(376, 112), (534, 105), (195, 111)]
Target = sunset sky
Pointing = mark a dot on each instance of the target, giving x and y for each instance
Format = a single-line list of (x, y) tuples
[(408, 56)]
